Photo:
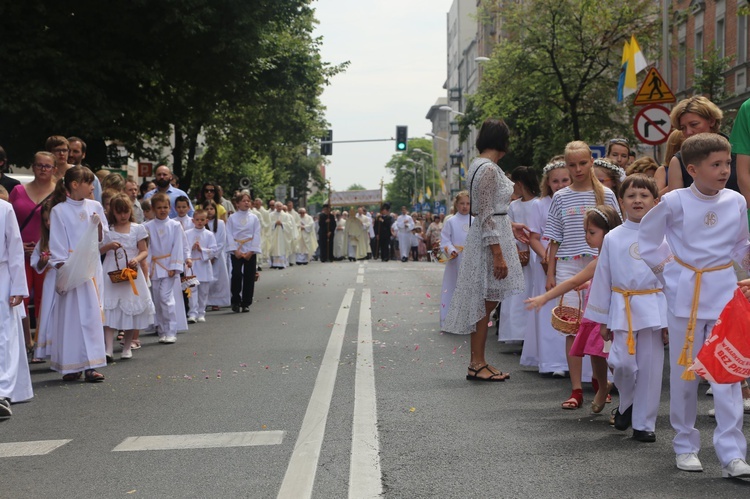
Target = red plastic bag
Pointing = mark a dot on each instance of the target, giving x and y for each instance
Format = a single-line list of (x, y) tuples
[(725, 357)]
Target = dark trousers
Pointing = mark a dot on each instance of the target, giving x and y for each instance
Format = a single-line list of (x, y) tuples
[(374, 246), (385, 248), (243, 280)]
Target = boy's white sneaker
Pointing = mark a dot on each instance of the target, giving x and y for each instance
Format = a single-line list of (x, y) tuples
[(737, 468), (201, 319), (191, 320), (170, 339), (689, 462)]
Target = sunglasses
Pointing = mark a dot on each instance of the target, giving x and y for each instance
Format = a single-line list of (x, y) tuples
[(209, 190)]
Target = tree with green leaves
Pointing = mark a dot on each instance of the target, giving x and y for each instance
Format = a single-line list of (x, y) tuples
[(553, 77), (407, 170)]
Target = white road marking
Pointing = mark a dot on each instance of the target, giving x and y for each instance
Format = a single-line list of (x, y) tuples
[(365, 479), (33, 448), (361, 270), (360, 279), (300, 474), (200, 441)]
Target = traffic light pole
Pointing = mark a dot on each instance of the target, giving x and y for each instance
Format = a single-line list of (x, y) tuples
[(354, 141)]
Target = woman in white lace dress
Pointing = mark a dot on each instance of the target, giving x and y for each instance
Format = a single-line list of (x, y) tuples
[(490, 271)]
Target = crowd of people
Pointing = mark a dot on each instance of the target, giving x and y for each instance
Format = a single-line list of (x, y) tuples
[(654, 243), (619, 258)]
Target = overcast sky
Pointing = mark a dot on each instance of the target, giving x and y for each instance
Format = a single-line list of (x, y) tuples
[(397, 55)]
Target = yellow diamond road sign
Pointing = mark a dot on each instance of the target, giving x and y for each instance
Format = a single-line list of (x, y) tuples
[(654, 90)]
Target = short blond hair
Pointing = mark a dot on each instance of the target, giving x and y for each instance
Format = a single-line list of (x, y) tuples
[(697, 148), (699, 105), (642, 165)]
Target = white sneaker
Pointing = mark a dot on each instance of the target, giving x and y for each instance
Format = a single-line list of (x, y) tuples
[(191, 320), (170, 339), (710, 391), (162, 339), (746, 405), (201, 319), (737, 468), (689, 462), (712, 413), (126, 354)]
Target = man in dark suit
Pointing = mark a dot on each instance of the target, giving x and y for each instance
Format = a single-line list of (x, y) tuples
[(326, 229)]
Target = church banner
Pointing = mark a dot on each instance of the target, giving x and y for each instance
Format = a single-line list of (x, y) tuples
[(356, 198)]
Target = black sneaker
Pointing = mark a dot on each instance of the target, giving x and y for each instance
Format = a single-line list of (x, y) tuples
[(245, 310), (624, 420), (644, 436), (236, 309)]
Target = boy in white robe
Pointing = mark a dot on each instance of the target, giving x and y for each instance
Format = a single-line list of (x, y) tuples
[(203, 248), (167, 261), (182, 207), (628, 302), (243, 244), (706, 228), (404, 224), (15, 382)]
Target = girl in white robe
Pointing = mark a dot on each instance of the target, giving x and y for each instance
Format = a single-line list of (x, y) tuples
[(219, 294), (515, 323), (202, 249), (76, 337), (128, 305), (15, 382), (404, 225), (550, 343), (452, 240)]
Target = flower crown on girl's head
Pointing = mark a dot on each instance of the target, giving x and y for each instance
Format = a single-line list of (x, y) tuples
[(603, 163), (553, 166)]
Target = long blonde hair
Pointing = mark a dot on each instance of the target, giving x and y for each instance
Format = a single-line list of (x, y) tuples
[(581, 146)]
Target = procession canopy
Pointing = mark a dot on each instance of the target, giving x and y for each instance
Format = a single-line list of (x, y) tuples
[(356, 198)]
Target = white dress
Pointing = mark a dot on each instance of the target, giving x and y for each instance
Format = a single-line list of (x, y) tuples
[(123, 309), (15, 381), (280, 239), (219, 294), (452, 236), (404, 225), (490, 193), (45, 307), (76, 333), (515, 323), (550, 343)]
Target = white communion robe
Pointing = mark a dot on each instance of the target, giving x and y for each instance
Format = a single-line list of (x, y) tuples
[(76, 333), (515, 323), (307, 242), (166, 247), (202, 268), (704, 232), (638, 376), (280, 237), (404, 225), (15, 381), (452, 237), (550, 343), (265, 232), (219, 294)]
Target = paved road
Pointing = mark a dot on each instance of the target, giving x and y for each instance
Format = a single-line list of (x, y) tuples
[(263, 405)]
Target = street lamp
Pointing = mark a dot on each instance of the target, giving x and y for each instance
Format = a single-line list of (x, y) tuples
[(436, 136), (481, 58), (450, 109), (415, 176)]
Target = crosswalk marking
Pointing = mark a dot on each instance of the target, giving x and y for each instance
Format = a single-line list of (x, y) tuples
[(200, 441), (33, 448)]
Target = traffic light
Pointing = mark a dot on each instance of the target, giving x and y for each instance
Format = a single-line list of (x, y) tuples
[(401, 135), (326, 148)]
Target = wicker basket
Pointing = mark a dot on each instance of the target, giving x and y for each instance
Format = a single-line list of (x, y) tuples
[(523, 257), (116, 275), (188, 281), (567, 319)]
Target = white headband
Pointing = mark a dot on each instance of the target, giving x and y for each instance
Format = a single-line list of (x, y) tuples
[(553, 166)]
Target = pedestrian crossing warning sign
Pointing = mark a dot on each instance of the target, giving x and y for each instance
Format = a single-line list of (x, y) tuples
[(654, 91)]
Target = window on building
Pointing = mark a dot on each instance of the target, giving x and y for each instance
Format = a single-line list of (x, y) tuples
[(720, 36), (698, 50), (741, 39), (681, 66)]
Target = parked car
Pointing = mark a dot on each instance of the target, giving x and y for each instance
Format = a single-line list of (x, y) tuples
[(21, 177)]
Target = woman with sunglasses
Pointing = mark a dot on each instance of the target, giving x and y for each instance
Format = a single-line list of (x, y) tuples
[(27, 202), (209, 191)]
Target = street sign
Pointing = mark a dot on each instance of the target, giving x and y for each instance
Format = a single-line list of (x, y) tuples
[(598, 151), (654, 91), (145, 169), (652, 125)]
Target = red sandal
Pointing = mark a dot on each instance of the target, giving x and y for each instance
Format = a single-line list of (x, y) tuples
[(575, 401)]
